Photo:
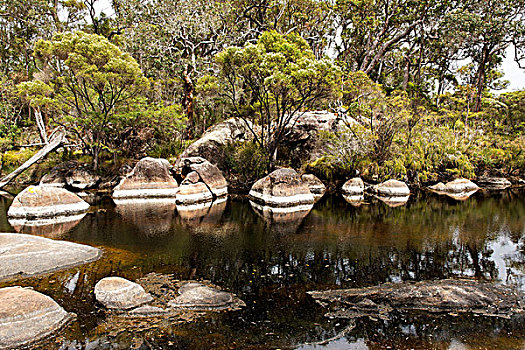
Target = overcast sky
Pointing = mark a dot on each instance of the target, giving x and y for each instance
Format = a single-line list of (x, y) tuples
[(513, 73)]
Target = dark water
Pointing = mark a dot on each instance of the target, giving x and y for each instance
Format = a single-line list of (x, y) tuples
[(272, 265)]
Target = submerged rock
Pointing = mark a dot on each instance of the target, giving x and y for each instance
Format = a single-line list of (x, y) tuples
[(46, 202), (354, 187), (28, 255), (494, 183), (196, 295), (151, 178), (27, 316), (282, 188), (119, 293), (315, 185), (431, 296)]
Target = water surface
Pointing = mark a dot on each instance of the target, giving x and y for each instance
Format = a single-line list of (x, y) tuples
[(271, 265)]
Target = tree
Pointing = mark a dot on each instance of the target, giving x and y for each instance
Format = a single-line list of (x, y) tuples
[(85, 80), (271, 83)]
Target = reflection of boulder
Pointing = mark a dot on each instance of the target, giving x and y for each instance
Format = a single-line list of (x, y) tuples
[(494, 183), (354, 200), (396, 201), (208, 212), (459, 189), (27, 316), (354, 187), (52, 228), (72, 175), (282, 188), (281, 220), (46, 202), (151, 178), (152, 217), (203, 181), (315, 185)]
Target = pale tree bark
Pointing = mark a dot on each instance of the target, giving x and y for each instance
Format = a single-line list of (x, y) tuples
[(56, 141)]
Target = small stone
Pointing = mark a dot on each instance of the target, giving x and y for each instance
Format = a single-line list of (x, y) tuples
[(119, 293), (27, 316)]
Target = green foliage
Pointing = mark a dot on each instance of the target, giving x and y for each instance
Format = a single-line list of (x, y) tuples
[(87, 81), (271, 82), (246, 161)]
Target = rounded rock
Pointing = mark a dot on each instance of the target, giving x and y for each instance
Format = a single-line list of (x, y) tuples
[(354, 187), (27, 316), (150, 178), (391, 188), (282, 188), (314, 184), (120, 293), (46, 202), (197, 295)]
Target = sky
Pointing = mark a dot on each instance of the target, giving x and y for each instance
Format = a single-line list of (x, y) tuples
[(514, 74)]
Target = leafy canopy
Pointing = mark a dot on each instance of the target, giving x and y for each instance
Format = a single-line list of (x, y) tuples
[(272, 82)]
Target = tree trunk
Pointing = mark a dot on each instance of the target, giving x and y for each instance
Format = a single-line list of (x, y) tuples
[(188, 102), (54, 143), (480, 78)]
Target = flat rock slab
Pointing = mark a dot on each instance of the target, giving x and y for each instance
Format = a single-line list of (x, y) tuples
[(444, 296), (119, 293), (28, 255), (27, 316)]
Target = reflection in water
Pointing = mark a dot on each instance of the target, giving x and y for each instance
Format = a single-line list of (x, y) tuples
[(335, 245), (150, 216), (202, 213), (463, 196), (355, 200), (394, 202), (282, 220), (51, 228)]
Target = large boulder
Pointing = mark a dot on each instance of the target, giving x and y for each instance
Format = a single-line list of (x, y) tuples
[(71, 175), (210, 145), (151, 178), (27, 316), (208, 173), (46, 202), (354, 187), (282, 188), (193, 190), (314, 184), (391, 188), (27, 255), (121, 294)]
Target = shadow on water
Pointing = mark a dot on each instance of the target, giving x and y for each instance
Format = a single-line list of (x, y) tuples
[(271, 266)]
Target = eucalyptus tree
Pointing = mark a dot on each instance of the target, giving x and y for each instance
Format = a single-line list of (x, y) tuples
[(271, 83), (85, 82)]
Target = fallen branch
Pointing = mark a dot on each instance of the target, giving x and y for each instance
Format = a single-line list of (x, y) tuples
[(57, 139)]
